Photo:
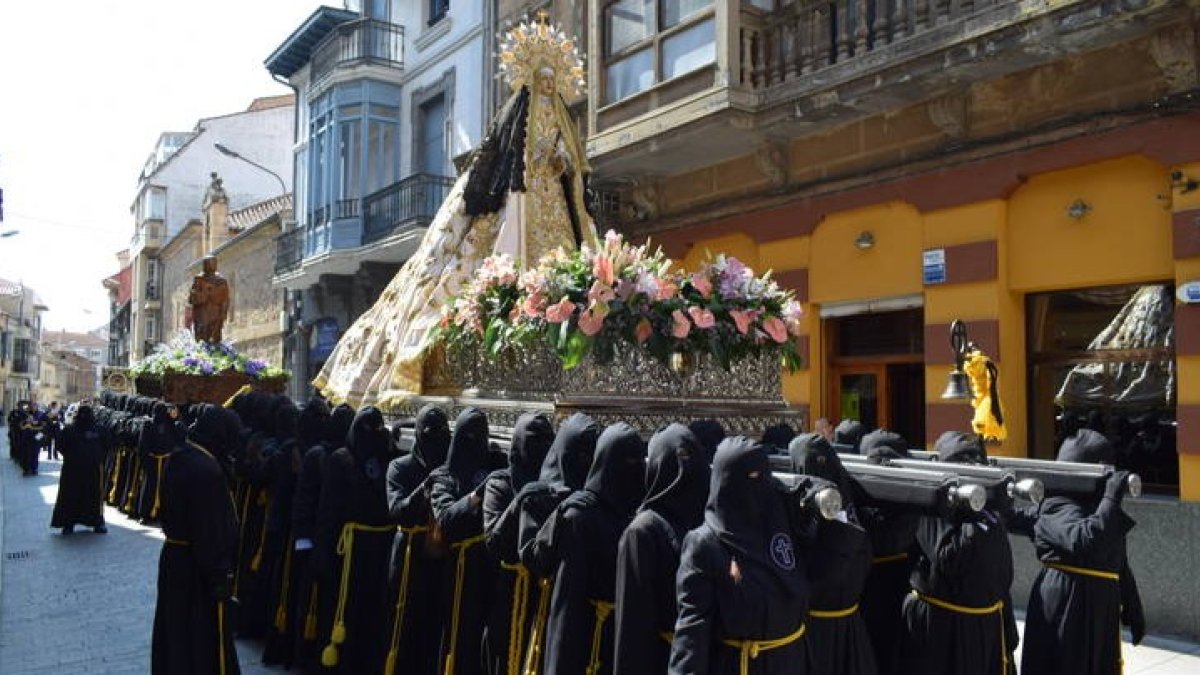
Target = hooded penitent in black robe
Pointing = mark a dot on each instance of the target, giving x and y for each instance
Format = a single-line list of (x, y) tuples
[(253, 583), (564, 471), (740, 578), (848, 435), (710, 433), (582, 535), (677, 479), (415, 610), (1086, 589), (350, 553), (456, 496), (838, 561), (305, 504), (958, 618), (511, 613), (892, 533), (192, 626), (80, 501)]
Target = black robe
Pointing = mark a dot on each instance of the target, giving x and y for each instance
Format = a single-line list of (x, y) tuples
[(677, 479), (966, 561), (739, 575), (415, 620), (511, 618), (457, 502), (79, 500), (583, 535), (192, 622), (352, 574), (1072, 621), (280, 554)]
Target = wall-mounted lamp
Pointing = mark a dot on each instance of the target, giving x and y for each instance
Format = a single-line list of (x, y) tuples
[(864, 240), (1184, 184), (1078, 209)]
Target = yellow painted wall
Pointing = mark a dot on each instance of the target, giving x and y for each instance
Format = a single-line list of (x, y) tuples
[(839, 271), (1188, 367), (1125, 238)]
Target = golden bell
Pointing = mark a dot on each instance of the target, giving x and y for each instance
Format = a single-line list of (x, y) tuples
[(958, 388)]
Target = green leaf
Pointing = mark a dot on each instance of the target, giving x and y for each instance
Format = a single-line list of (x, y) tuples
[(490, 335), (576, 349)]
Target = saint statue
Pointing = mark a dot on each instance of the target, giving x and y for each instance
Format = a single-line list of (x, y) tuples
[(209, 300), (523, 194)]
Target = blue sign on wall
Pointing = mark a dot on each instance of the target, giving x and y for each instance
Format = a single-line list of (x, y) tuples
[(325, 336), (933, 266)]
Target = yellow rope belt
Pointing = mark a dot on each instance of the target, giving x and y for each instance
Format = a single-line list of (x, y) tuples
[(221, 633), (537, 635), (995, 608), (460, 573), (833, 613), (603, 609), (668, 636), (116, 475), (895, 557), (177, 542), (410, 534), (1098, 574), (1084, 571), (134, 482), (264, 500), (345, 548), (158, 463), (520, 603), (750, 649), (281, 616)]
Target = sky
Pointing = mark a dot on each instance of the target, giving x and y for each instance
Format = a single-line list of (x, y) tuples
[(86, 87)]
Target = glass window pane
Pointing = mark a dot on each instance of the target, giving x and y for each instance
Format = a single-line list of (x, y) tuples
[(389, 111), (675, 11), (690, 49), (381, 162), (433, 137), (629, 75), (351, 158), (627, 22)]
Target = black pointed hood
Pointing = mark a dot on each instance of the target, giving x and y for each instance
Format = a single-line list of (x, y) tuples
[(618, 469), (313, 417), (677, 477), (849, 433), (960, 447), (532, 437), (216, 429), (431, 437), (570, 455), (710, 433), (747, 514), (882, 444), (285, 420), (338, 426), (812, 455), (84, 417), (468, 447), (777, 436), (368, 437), (1088, 446)]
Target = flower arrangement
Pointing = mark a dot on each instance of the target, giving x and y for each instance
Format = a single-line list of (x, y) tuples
[(594, 301), (186, 356)]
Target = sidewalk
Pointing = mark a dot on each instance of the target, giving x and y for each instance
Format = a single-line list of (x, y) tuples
[(85, 603)]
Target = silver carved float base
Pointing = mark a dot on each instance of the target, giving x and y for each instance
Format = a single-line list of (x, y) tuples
[(634, 388)]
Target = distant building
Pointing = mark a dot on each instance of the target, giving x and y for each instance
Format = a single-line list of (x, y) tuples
[(20, 333), (120, 300), (66, 376), (170, 192)]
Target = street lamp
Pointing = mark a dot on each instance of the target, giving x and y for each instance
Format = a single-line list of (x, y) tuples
[(230, 153)]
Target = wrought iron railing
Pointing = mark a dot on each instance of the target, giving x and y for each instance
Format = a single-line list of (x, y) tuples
[(808, 35), (354, 42), (152, 291), (409, 203), (346, 208), (289, 250)]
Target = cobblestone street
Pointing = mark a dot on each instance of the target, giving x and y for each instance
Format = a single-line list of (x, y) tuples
[(85, 603)]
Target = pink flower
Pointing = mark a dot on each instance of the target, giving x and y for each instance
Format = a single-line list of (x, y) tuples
[(680, 326), (743, 318), (666, 290), (643, 331), (591, 322), (776, 328), (702, 284), (702, 317), (601, 292), (534, 305), (561, 311), (602, 268)]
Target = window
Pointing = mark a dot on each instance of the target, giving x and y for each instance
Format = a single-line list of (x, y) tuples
[(432, 157), (437, 11), (382, 156), (1104, 358), (651, 41), (151, 329), (350, 157), (152, 285), (21, 355), (154, 204)]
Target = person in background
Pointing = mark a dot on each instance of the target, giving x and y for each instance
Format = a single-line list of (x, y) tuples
[(80, 500), (54, 424), (848, 435), (776, 438), (32, 435)]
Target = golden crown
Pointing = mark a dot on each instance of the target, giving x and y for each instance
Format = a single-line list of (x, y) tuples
[(533, 45)]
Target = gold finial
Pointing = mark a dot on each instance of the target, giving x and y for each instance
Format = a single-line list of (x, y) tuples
[(543, 16)]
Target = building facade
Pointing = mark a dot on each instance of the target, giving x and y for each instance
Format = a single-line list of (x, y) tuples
[(20, 335), (171, 188), (66, 377), (390, 95)]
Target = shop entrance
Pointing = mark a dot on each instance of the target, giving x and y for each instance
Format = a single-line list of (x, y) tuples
[(876, 371)]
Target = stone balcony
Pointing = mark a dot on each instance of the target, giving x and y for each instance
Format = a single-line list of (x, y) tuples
[(809, 67)]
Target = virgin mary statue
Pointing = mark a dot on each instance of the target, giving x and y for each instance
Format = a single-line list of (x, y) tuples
[(524, 194)]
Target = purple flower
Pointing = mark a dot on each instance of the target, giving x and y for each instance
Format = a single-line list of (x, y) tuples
[(206, 368), (254, 367), (191, 362)]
